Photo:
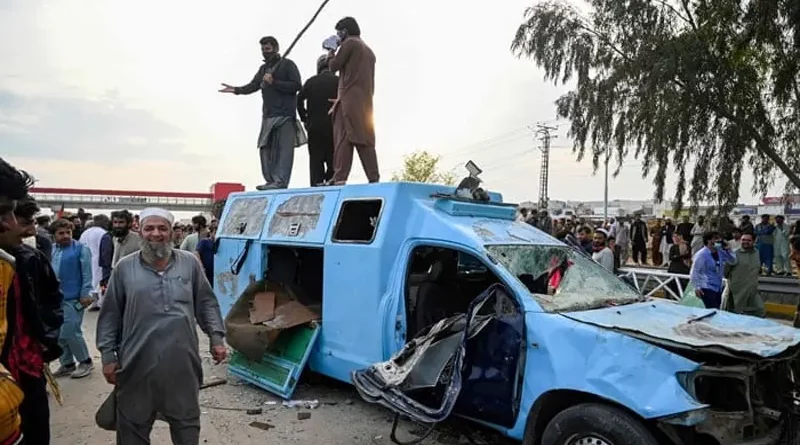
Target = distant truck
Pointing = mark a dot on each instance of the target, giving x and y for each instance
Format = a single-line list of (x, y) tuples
[(435, 301)]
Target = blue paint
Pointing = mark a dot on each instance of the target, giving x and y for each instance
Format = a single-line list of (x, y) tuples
[(364, 314), (694, 327)]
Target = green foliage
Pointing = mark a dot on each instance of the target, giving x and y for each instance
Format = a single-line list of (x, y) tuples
[(674, 81), (422, 166)]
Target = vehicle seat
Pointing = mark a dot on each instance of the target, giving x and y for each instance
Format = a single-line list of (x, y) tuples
[(438, 296)]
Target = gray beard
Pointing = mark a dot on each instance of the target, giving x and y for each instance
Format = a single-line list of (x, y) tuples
[(152, 252)]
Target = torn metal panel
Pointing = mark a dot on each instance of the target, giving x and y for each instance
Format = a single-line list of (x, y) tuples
[(724, 331), (245, 217), (390, 383), (296, 216)]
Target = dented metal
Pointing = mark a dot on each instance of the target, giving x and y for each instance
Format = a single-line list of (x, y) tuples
[(296, 216)]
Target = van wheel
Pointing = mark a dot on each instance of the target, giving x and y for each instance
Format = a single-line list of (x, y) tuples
[(595, 424)]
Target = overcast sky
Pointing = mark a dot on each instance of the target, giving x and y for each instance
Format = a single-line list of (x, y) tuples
[(112, 94)]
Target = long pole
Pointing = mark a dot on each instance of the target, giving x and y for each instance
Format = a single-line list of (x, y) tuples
[(305, 28)]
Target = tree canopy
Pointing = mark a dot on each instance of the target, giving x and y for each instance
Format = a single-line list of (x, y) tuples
[(674, 82), (422, 166)]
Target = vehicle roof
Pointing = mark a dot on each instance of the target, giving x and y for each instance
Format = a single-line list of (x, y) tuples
[(412, 210)]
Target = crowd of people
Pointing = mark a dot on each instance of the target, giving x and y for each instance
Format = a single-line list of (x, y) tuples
[(706, 252), (335, 111), (53, 271)]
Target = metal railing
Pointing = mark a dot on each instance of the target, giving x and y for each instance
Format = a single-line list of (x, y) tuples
[(120, 202), (658, 282)]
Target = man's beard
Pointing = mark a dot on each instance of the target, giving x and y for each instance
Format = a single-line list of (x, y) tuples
[(121, 232), (153, 251)]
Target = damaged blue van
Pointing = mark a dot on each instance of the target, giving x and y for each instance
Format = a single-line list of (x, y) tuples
[(434, 301)]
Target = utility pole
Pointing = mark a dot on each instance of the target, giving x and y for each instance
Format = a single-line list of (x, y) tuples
[(605, 195), (544, 132)]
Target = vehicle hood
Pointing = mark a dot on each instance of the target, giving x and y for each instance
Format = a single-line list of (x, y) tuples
[(683, 327)]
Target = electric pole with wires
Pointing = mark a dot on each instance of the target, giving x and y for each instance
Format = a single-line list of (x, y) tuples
[(543, 131)]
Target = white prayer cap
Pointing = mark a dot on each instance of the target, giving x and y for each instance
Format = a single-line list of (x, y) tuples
[(156, 211), (603, 231)]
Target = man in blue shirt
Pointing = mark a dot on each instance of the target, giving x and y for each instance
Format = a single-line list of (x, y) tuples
[(72, 263), (708, 267)]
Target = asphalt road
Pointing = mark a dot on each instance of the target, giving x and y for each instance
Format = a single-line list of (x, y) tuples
[(342, 418)]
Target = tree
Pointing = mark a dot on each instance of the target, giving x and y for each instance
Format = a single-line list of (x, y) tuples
[(421, 166), (714, 82)]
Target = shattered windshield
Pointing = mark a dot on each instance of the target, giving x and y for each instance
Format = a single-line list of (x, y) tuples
[(563, 280)]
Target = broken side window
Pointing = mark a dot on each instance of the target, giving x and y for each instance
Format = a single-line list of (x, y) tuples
[(358, 221)]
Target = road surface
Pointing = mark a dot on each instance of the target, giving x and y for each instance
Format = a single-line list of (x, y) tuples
[(342, 418)]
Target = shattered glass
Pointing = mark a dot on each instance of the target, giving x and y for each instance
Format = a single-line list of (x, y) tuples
[(585, 284)]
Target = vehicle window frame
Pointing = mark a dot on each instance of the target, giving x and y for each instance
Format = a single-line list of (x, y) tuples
[(571, 255), (340, 214)]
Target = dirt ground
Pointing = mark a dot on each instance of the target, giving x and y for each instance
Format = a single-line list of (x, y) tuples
[(342, 418)]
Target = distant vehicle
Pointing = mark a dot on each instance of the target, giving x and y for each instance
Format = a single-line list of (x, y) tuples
[(434, 301)]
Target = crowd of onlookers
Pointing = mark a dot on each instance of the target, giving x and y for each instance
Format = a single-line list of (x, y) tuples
[(703, 254), (661, 243)]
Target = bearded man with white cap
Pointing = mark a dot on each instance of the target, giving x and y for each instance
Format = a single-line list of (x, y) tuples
[(147, 337)]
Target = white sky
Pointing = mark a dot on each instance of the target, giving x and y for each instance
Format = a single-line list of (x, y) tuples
[(113, 94)]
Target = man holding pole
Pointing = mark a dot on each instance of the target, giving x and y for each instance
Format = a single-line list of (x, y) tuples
[(279, 81)]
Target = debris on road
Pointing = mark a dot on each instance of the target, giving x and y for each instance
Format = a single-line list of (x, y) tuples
[(262, 425), (302, 415), (213, 381), (308, 404)]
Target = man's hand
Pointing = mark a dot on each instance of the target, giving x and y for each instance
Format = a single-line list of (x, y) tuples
[(268, 78), (110, 372), (698, 292), (219, 354), (333, 102), (227, 88), (85, 301)]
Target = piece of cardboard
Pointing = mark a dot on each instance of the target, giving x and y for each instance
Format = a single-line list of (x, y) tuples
[(263, 307), (290, 314)]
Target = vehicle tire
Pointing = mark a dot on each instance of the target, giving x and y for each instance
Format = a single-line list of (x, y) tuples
[(595, 424)]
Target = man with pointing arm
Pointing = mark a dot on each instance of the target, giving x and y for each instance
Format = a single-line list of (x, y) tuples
[(156, 294)]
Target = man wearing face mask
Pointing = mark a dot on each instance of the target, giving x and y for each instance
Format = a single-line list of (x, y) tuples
[(126, 241), (742, 273), (708, 267), (279, 81), (353, 125)]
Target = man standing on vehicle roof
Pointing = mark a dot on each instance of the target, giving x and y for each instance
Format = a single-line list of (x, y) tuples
[(317, 93), (353, 125), (707, 269), (157, 293), (279, 81)]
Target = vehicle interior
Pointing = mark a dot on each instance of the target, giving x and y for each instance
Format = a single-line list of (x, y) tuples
[(442, 282), (300, 269)]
